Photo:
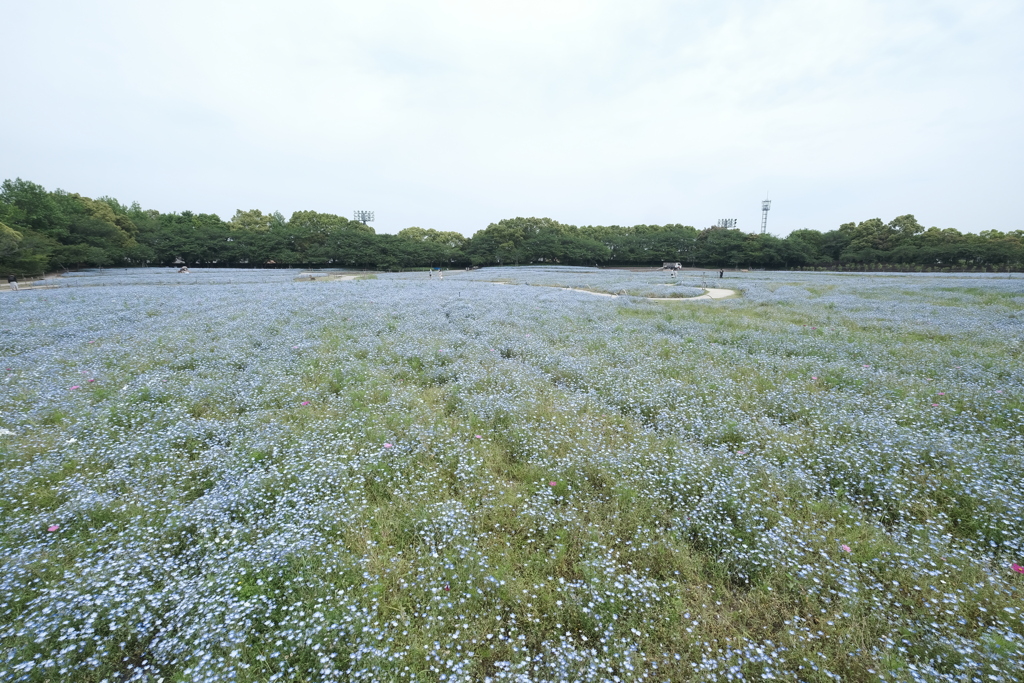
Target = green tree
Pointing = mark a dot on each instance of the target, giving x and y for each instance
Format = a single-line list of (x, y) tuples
[(872, 241), (835, 242), (609, 237), (935, 246), (93, 235), (31, 256), (313, 237), (356, 249), (423, 247), (31, 206), (769, 251), (504, 242), (9, 241), (808, 247), (196, 239), (24, 251), (720, 247), (253, 221)]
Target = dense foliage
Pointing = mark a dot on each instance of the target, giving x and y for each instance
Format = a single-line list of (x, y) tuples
[(404, 478), (41, 230)]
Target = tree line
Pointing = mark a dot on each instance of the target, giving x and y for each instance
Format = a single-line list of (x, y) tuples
[(43, 231)]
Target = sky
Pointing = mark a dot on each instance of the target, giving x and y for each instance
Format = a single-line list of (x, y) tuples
[(454, 114)]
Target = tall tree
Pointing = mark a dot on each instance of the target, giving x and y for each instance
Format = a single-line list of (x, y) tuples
[(93, 234), (720, 247), (808, 246), (315, 236), (9, 241), (503, 242), (254, 220), (36, 209), (431, 247)]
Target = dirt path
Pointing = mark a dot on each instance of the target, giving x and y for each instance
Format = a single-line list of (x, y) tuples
[(326, 277), (29, 285), (708, 294)]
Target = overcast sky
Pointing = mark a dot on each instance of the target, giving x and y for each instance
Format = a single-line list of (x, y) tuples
[(452, 114)]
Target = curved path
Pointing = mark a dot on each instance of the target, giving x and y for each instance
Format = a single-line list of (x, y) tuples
[(708, 294)]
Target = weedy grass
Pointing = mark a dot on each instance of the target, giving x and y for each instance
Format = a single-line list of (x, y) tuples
[(410, 479)]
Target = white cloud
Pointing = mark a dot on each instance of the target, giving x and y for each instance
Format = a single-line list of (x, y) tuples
[(455, 113)]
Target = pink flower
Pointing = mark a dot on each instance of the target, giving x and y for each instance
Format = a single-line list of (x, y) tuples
[(935, 405), (846, 548), (387, 445), (92, 380), (814, 378), (552, 483), (53, 527), (75, 387), (305, 403), (478, 437), (1017, 568), (942, 393), (867, 366), (998, 391)]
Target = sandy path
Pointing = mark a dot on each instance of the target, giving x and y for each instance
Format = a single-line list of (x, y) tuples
[(325, 277), (708, 294)]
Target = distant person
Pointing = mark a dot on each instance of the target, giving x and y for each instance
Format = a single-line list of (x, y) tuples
[(13, 282), (721, 273)]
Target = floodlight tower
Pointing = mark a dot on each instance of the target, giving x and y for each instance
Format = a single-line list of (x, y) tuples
[(765, 205), (364, 216), (726, 223)]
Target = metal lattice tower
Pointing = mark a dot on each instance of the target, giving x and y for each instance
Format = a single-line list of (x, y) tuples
[(364, 216), (765, 205), (726, 223)]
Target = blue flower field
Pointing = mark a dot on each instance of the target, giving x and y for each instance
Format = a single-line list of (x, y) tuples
[(249, 476)]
